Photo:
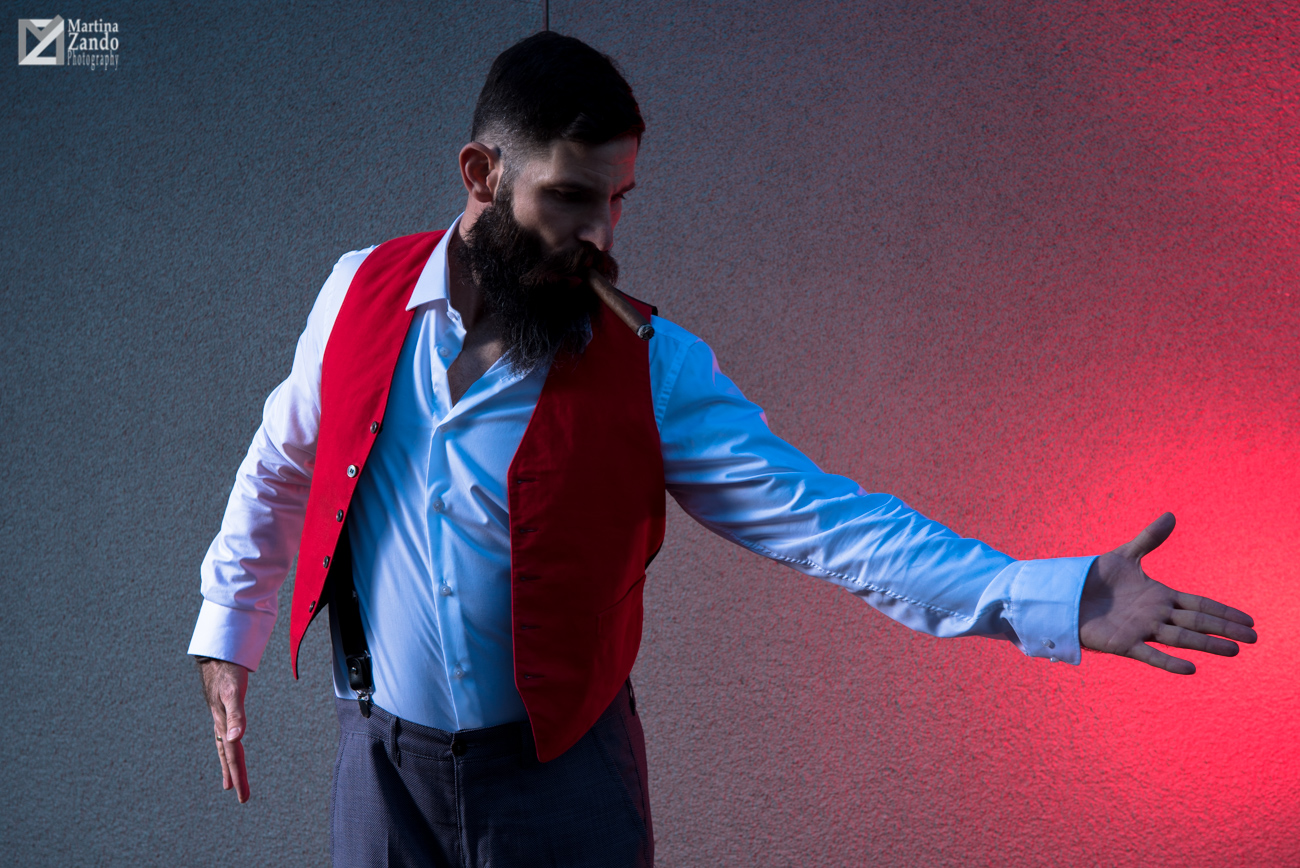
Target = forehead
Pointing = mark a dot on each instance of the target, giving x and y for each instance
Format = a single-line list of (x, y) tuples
[(611, 165)]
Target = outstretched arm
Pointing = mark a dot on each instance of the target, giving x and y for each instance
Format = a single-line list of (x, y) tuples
[(729, 472), (1123, 609)]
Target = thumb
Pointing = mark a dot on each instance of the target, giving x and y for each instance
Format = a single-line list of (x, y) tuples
[(235, 721), (1150, 538)]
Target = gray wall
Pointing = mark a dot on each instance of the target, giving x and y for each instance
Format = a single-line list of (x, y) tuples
[(1031, 268)]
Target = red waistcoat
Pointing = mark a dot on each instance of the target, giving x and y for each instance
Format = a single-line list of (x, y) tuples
[(586, 495)]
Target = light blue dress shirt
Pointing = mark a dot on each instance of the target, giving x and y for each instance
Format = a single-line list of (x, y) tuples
[(430, 532)]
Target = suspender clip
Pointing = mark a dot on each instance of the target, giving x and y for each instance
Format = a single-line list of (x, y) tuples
[(359, 679)]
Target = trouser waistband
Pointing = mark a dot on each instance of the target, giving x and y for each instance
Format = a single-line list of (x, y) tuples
[(401, 735)]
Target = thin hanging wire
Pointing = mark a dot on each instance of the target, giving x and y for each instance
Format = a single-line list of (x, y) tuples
[(546, 14)]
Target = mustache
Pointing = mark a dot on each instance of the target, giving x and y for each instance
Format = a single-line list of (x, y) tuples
[(570, 267)]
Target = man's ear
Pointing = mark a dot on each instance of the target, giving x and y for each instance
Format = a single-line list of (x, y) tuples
[(480, 171)]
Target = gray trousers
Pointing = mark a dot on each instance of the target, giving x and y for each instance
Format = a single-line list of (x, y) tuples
[(406, 794)]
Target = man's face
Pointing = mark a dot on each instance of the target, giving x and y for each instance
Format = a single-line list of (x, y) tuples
[(530, 250), (571, 194)]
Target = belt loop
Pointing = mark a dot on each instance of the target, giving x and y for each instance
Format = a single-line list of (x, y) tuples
[(394, 752)]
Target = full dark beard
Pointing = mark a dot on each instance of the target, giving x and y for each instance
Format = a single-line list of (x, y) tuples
[(542, 301)]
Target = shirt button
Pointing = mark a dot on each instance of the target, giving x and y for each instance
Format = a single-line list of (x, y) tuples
[(352, 470), (458, 672), (1049, 643), (444, 352), (445, 590), (438, 505)]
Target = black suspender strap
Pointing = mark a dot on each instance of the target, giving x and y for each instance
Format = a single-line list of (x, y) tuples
[(347, 608)]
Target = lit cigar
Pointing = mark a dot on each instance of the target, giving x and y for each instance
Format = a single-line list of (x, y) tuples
[(621, 307)]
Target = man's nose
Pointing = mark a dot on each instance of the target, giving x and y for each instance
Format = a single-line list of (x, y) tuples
[(599, 231)]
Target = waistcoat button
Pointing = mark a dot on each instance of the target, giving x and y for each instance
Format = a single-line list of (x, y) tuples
[(352, 470), (327, 560), (338, 516), (374, 427)]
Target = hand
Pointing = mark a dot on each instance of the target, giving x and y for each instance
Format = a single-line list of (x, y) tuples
[(224, 685), (1122, 609)]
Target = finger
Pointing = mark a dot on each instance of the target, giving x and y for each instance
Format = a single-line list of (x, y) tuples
[(238, 773), (1154, 534), (225, 768), (234, 746), (1194, 603), (1161, 660), (1203, 623), (1177, 637), (219, 732)]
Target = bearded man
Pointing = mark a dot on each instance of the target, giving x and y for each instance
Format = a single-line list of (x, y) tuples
[(474, 453)]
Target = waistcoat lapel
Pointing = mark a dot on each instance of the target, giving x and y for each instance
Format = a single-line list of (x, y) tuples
[(356, 373)]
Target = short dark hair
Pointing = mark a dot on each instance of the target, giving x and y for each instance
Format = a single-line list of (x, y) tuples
[(549, 87)]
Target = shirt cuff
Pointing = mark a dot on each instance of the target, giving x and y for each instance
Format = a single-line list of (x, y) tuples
[(1045, 606), (237, 635)]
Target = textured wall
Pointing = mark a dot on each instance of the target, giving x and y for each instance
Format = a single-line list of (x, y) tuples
[(1032, 268)]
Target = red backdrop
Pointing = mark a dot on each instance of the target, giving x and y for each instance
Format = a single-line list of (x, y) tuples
[(1033, 270)]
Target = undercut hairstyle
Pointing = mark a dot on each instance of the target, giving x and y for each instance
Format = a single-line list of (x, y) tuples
[(549, 87)]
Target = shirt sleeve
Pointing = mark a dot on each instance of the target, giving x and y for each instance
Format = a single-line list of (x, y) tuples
[(251, 555), (729, 472)]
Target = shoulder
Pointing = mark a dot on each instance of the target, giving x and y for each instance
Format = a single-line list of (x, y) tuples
[(677, 357), (346, 267), (670, 337), (330, 299), (674, 347), (344, 270)]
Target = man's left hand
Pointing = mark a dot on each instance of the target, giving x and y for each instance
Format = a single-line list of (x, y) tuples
[(1123, 609)]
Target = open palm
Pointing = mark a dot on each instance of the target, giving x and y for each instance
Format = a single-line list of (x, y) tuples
[(1123, 609)]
